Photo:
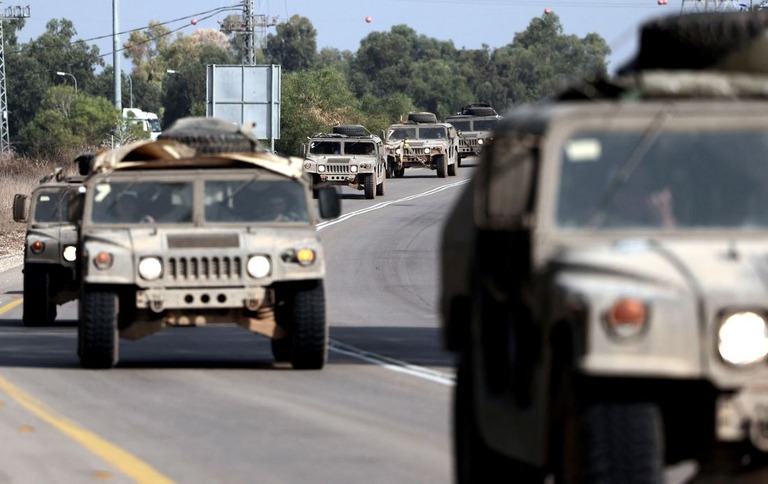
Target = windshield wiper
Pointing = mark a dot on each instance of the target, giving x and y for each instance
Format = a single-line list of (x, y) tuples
[(597, 217)]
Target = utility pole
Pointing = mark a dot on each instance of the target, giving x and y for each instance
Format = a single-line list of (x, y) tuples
[(248, 17), (247, 27), (8, 13), (117, 73)]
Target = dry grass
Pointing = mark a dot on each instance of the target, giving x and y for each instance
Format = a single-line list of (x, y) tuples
[(19, 175)]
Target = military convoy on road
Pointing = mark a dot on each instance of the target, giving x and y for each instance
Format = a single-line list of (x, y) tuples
[(604, 275), (348, 156)]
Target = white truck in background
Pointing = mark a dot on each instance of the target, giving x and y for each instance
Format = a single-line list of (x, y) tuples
[(148, 121)]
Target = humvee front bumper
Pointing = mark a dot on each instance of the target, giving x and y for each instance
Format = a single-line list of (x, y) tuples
[(743, 415), (158, 300)]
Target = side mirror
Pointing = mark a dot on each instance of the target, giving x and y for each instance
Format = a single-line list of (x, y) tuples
[(329, 201), (20, 207)]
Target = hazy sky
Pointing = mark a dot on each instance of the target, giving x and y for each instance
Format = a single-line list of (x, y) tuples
[(342, 23)]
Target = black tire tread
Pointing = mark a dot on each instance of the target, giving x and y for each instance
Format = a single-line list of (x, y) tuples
[(98, 329), (369, 186), (350, 129), (422, 117), (309, 328), (38, 309)]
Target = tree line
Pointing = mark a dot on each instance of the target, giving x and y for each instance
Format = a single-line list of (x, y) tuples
[(390, 74)]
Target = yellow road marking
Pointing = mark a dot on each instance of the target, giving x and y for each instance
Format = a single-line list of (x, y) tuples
[(10, 305), (127, 463)]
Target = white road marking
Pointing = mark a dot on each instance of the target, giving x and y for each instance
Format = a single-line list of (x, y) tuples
[(379, 206), (381, 360), (392, 364)]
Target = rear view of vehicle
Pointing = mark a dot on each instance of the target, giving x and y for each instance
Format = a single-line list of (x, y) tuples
[(349, 156), (200, 228), (50, 247)]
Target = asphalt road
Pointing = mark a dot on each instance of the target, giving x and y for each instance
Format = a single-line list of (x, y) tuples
[(209, 405)]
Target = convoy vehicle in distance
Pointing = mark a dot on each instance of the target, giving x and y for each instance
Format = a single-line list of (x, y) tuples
[(604, 276), (149, 122), (475, 124), (202, 226), (348, 156), (422, 141), (50, 246)]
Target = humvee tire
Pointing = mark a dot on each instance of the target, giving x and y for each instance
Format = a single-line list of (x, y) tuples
[(442, 166), (399, 172), (422, 117), (39, 310), (614, 442), (281, 349), (350, 129), (481, 111), (452, 168), (381, 188), (370, 186), (309, 330), (97, 333)]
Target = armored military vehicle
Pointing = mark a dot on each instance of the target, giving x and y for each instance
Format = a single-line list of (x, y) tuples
[(349, 156), (50, 246), (202, 226), (422, 141), (605, 275), (475, 124)]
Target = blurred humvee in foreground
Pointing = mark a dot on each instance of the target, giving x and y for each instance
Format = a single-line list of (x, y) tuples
[(605, 276)]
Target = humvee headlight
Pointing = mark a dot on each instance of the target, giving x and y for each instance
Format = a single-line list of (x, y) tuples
[(743, 338), (259, 266), (69, 253), (103, 260), (353, 168), (479, 141), (426, 151), (627, 317), (150, 268), (37, 247), (399, 151), (305, 256), (321, 168)]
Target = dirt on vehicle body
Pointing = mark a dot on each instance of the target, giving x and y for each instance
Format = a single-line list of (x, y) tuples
[(50, 247), (611, 318), (195, 229), (422, 142), (349, 156)]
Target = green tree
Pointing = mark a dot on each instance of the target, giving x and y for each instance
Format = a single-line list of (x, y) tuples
[(183, 92), (541, 59), (68, 123), (31, 69), (294, 45), (313, 101)]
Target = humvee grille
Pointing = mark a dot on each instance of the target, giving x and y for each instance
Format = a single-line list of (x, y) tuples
[(190, 269), (469, 142), (338, 169)]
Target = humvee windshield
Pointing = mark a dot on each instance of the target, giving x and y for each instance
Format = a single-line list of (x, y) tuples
[(402, 133), (325, 148), (255, 201), (141, 202), (461, 125), (437, 132), (484, 124), (706, 178), (359, 148), (52, 205)]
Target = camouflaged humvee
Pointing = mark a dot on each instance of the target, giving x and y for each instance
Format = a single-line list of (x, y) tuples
[(349, 156), (201, 227), (605, 275), (422, 142), (50, 246), (475, 124)]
